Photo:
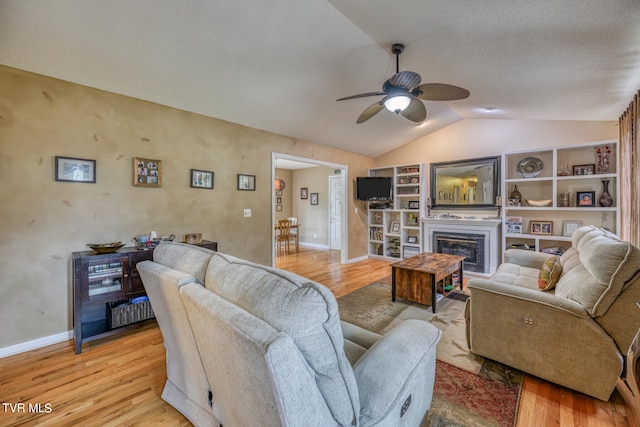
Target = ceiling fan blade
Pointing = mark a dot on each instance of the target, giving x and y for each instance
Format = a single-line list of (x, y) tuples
[(370, 112), (440, 92), (416, 111), (407, 79), (362, 95)]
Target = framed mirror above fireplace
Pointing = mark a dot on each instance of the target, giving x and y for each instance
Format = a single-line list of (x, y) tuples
[(465, 184)]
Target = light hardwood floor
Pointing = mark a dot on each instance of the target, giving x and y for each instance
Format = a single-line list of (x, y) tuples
[(118, 381)]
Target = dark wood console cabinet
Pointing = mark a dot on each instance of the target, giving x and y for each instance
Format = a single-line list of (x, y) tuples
[(102, 280)]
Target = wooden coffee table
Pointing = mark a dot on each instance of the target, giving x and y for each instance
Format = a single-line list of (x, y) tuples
[(417, 278)]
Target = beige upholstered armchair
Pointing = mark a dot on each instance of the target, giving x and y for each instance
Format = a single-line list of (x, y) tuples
[(577, 334)]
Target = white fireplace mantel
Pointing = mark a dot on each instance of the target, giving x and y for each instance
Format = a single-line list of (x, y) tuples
[(489, 228)]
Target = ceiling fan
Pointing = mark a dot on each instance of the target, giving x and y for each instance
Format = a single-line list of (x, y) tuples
[(403, 92)]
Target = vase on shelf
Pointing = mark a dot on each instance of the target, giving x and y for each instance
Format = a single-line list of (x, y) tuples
[(605, 199), (602, 158), (564, 200)]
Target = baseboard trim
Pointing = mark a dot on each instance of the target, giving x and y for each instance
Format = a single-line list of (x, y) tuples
[(362, 258), (314, 245), (35, 344)]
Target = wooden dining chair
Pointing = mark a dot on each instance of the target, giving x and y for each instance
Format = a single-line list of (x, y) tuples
[(283, 234)]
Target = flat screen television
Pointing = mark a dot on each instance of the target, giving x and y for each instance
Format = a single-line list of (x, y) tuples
[(374, 188)]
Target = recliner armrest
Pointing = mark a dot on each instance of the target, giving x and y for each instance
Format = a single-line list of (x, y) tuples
[(398, 365), (480, 287)]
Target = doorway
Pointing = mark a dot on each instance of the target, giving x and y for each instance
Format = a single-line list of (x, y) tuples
[(336, 228), (335, 212)]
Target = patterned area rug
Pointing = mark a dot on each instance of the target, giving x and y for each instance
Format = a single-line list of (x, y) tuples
[(469, 390)]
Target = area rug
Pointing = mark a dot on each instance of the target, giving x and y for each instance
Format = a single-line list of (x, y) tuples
[(469, 390)]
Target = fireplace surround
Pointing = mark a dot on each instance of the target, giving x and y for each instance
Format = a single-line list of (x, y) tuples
[(477, 239)]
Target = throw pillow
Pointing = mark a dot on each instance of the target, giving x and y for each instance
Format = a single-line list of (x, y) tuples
[(549, 273)]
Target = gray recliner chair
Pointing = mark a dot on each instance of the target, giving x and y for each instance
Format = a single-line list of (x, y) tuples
[(274, 351)]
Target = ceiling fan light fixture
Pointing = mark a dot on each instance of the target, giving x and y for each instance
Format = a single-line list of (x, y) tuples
[(397, 103)]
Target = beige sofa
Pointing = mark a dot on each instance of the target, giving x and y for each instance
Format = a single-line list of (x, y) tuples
[(577, 335), (252, 345)]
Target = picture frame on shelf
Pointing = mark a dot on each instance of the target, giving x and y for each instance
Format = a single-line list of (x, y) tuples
[(193, 238), (147, 172), (414, 204), (409, 251), (314, 198), (544, 228), (201, 179), (584, 169), (412, 239), (304, 193), (71, 169), (585, 199), (569, 226), (395, 227), (246, 182)]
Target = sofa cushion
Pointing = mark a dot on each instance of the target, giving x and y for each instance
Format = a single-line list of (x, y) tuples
[(517, 275), (595, 270), (549, 273), (304, 310)]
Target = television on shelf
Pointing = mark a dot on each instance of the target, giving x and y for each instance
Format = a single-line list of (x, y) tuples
[(373, 188)]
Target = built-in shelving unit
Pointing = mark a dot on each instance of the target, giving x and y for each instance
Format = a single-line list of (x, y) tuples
[(567, 172), (394, 226)]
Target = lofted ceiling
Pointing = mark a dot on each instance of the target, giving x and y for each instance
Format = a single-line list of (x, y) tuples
[(280, 65)]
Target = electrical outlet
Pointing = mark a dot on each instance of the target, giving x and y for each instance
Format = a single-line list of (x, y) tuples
[(247, 213)]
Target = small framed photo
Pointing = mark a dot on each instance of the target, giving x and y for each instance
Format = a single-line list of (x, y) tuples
[(147, 172), (585, 199), (569, 226), (193, 238), (70, 169), (314, 198), (278, 192), (412, 239), (541, 227), (279, 200), (304, 193), (584, 169), (279, 208), (414, 204), (201, 179), (246, 182), (395, 226)]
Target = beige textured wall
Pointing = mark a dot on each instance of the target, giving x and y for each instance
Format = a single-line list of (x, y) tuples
[(481, 138), (286, 196), (44, 221), (314, 219)]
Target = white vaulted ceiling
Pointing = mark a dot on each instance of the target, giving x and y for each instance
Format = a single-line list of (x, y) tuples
[(280, 65)]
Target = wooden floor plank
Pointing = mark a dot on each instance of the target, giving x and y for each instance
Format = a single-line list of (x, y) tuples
[(119, 380)]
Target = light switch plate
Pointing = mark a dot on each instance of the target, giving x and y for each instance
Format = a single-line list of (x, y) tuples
[(247, 213)]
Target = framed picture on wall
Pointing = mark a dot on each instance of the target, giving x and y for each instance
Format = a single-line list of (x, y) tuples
[(304, 193), (314, 198), (246, 182), (147, 172), (279, 200), (70, 169), (201, 179), (279, 208)]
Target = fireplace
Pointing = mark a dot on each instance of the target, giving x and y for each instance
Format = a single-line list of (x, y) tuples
[(471, 246), (478, 239)]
